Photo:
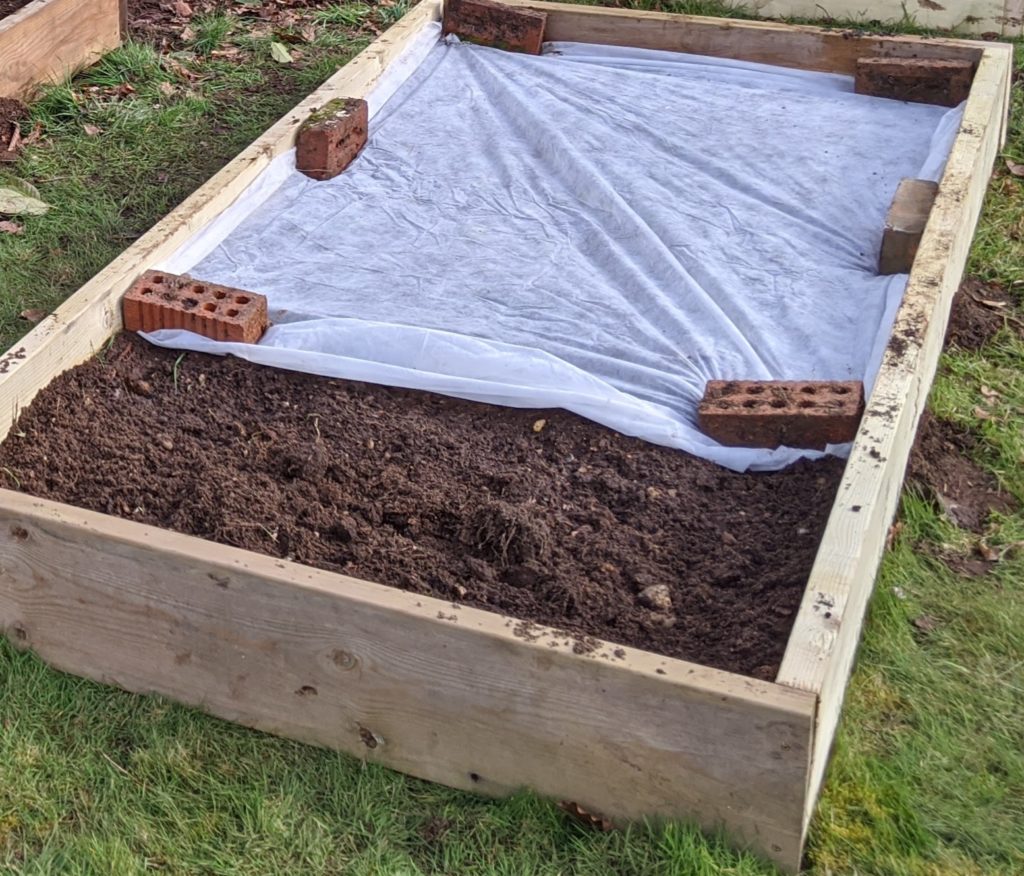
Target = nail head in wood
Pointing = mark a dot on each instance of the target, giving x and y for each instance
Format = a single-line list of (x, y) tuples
[(918, 80), (904, 225), (497, 25)]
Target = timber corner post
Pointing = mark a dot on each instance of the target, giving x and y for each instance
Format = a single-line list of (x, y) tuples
[(706, 746)]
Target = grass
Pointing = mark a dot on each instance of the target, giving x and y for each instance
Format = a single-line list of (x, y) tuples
[(928, 773)]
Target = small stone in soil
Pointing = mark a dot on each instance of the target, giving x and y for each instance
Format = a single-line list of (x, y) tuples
[(657, 597)]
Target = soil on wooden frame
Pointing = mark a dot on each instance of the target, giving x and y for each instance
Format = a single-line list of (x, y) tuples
[(9, 6), (539, 515)]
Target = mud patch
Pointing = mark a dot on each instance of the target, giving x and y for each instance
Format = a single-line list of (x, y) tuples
[(566, 526), (940, 463), (979, 311)]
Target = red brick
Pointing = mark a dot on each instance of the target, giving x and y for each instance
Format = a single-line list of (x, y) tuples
[(772, 413), (494, 24), (331, 138), (158, 300), (919, 80)]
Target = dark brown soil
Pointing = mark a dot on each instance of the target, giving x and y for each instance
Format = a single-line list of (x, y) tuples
[(9, 6), (980, 310), (940, 462), (11, 113), (540, 515)]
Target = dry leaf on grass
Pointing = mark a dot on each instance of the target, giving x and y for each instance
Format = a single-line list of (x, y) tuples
[(19, 198), (587, 819), (166, 89), (1015, 168), (7, 227), (926, 623), (91, 130), (33, 314), (280, 54), (182, 9), (986, 552)]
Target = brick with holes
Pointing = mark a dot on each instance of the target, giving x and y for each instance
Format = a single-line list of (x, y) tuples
[(158, 300), (331, 138), (807, 414)]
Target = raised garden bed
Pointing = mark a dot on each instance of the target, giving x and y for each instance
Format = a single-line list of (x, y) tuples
[(432, 686), (1002, 17), (45, 40)]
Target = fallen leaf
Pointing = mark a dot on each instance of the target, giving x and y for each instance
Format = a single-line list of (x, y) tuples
[(279, 53), (309, 33), (988, 302), (1015, 168), (987, 552), (37, 132), (166, 89), (182, 9), (925, 623), (899, 593), (982, 414), (34, 314), (587, 819), (187, 34), (7, 227), (988, 392), (539, 425), (91, 130), (18, 203)]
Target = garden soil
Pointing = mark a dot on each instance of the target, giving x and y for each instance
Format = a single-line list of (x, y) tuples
[(538, 515)]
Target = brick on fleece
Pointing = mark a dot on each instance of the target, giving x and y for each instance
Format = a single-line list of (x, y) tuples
[(488, 23), (804, 414), (331, 138), (158, 300)]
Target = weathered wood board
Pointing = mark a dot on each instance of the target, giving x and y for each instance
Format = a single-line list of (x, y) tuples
[(48, 39), (1002, 17)]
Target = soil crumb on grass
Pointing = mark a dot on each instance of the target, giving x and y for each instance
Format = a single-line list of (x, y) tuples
[(940, 463), (539, 515), (979, 312)]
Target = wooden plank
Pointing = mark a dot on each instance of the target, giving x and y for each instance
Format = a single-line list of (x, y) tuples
[(451, 694), (48, 39), (821, 650), (767, 42), (966, 16), (79, 327)]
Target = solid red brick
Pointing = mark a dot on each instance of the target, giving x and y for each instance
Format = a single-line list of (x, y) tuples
[(919, 80), (331, 138), (494, 24), (807, 414), (158, 300)]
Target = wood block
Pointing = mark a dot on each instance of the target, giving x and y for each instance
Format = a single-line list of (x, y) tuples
[(904, 225), (919, 80), (808, 414), (331, 138), (495, 24), (158, 300)]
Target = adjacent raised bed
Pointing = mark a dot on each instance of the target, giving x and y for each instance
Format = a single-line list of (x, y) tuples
[(1003, 17), (457, 694), (45, 40)]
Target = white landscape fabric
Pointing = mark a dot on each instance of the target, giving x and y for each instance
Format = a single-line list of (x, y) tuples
[(598, 229)]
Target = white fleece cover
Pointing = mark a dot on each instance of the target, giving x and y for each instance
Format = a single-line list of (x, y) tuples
[(598, 229)]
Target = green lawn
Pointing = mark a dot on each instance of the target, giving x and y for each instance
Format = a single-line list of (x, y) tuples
[(928, 773)]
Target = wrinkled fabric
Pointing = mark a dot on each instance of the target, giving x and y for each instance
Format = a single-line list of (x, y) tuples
[(598, 229)]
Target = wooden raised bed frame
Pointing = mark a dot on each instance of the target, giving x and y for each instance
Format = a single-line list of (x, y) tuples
[(1002, 17), (391, 676), (48, 39)]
